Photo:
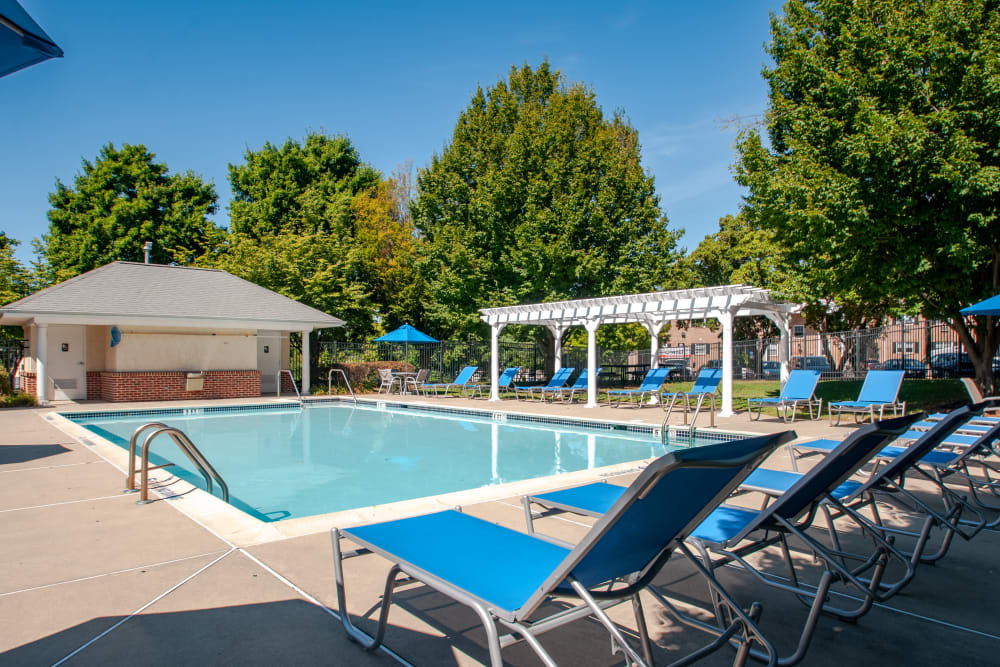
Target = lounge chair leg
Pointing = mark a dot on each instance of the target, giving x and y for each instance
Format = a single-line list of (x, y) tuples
[(640, 624), (608, 624), (354, 633)]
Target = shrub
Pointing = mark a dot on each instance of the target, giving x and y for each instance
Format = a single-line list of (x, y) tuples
[(363, 375), (4, 382), (21, 400)]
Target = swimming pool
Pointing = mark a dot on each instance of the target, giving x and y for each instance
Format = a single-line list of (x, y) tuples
[(301, 461)]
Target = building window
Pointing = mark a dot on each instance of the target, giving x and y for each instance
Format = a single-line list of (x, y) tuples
[(799, 330), (699, 348), (909, 347)]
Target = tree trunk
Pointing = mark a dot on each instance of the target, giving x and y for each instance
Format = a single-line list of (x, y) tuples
[(982, 347)]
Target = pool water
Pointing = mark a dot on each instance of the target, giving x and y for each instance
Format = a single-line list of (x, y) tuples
[(298, 462)]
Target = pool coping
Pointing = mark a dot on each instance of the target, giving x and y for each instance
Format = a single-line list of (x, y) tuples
[(241, 529)]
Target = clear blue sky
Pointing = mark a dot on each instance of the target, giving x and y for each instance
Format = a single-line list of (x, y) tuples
[(200, 82)]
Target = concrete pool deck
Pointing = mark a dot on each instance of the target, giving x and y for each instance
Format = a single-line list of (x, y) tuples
[(88, 577)]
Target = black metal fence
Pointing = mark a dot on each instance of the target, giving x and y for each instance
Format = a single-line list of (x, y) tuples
[(923, 349), (11, 352)]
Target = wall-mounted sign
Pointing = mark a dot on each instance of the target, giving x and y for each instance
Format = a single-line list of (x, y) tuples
[(65, 347)]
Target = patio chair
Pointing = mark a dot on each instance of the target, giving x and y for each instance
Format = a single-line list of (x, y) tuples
[(568, 394), (800, 388), (504, 383), (650, 387), (387, 380), (556, 392), (507, 577), (731, 533), (879, 391), (558, 379), (704, 387), (417, 380), (461, 381)]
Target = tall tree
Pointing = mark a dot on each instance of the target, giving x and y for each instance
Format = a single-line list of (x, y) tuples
[(537, 197), (117, 203), (299, 187), (881, 176), (15, 279)]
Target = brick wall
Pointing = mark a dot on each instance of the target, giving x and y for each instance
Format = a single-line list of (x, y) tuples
[(169, 385), (93, 385)]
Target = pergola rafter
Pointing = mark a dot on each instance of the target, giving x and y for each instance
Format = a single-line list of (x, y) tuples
[(653, 310)]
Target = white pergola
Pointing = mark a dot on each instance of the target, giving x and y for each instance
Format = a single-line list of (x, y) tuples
[(653, 310)]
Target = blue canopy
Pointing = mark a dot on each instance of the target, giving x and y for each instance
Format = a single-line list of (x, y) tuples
[(990, 306), (22, 41), (405, 334)]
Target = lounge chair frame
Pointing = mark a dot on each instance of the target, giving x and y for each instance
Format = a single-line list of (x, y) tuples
[(461, 381), (738, 459), (707, 377), (649, 387)]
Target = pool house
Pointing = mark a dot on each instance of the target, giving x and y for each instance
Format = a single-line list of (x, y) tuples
[(129, 331)]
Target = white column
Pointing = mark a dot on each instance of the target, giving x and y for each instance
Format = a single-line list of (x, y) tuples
[(726, 318), (654, 329), (306, 380), (41, 353), (495, 330), (557, 334), (591, 327)]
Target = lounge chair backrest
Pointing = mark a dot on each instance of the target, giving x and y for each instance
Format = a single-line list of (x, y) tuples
[(654, 379), (920, 447), (581, 380), (560, 377), (881, 386), (660, 508), (508, 376), (834, 469), (707, 381), (801, 385), (466, 375)]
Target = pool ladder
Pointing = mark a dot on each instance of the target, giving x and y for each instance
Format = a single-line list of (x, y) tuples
[(184, 443), (292, 380), (329, 383)]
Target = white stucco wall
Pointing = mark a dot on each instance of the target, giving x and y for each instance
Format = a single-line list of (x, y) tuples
[(187, 350)]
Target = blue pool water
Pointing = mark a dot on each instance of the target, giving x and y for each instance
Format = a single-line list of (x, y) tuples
[(298, 462)]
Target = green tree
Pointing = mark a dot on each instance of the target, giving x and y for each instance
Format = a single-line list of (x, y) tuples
[(119, 202), (537, 197), (300, 187), (15, 279), (881, 173)]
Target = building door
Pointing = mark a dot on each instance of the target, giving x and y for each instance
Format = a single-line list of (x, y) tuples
[(268, 360), (67, 369)]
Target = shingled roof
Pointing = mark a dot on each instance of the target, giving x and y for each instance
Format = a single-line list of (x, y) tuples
[(155, 293)]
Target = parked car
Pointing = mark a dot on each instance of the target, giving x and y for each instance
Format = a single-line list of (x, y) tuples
[(813, 363), (913, 368), (680, 369), (770, 370), (951, 365), (739, 371)]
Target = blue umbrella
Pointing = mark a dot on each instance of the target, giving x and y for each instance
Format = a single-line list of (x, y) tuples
[(406, 334), (23, 43), (990, 306)]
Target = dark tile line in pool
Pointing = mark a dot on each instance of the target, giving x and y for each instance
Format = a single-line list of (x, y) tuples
[(168, 412)]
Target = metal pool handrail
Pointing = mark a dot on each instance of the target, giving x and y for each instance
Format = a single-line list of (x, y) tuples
[(185, 444), (290, 377), (329, 385)]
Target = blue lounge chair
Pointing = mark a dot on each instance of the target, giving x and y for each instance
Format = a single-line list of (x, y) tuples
[(569, 393), (558, 379), (461, 381), (879, 391), (507, 576), (800, 388), (650, 387), (732, 532), (504, 383), (705, 386)]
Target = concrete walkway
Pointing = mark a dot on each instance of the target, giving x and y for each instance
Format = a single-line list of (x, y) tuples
[(89, 578)]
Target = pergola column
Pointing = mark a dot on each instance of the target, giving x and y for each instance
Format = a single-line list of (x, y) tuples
[(557, 332), (726, 319), (591, 327), (306, 364), (654, 329), (495, 329), (41, 353)]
